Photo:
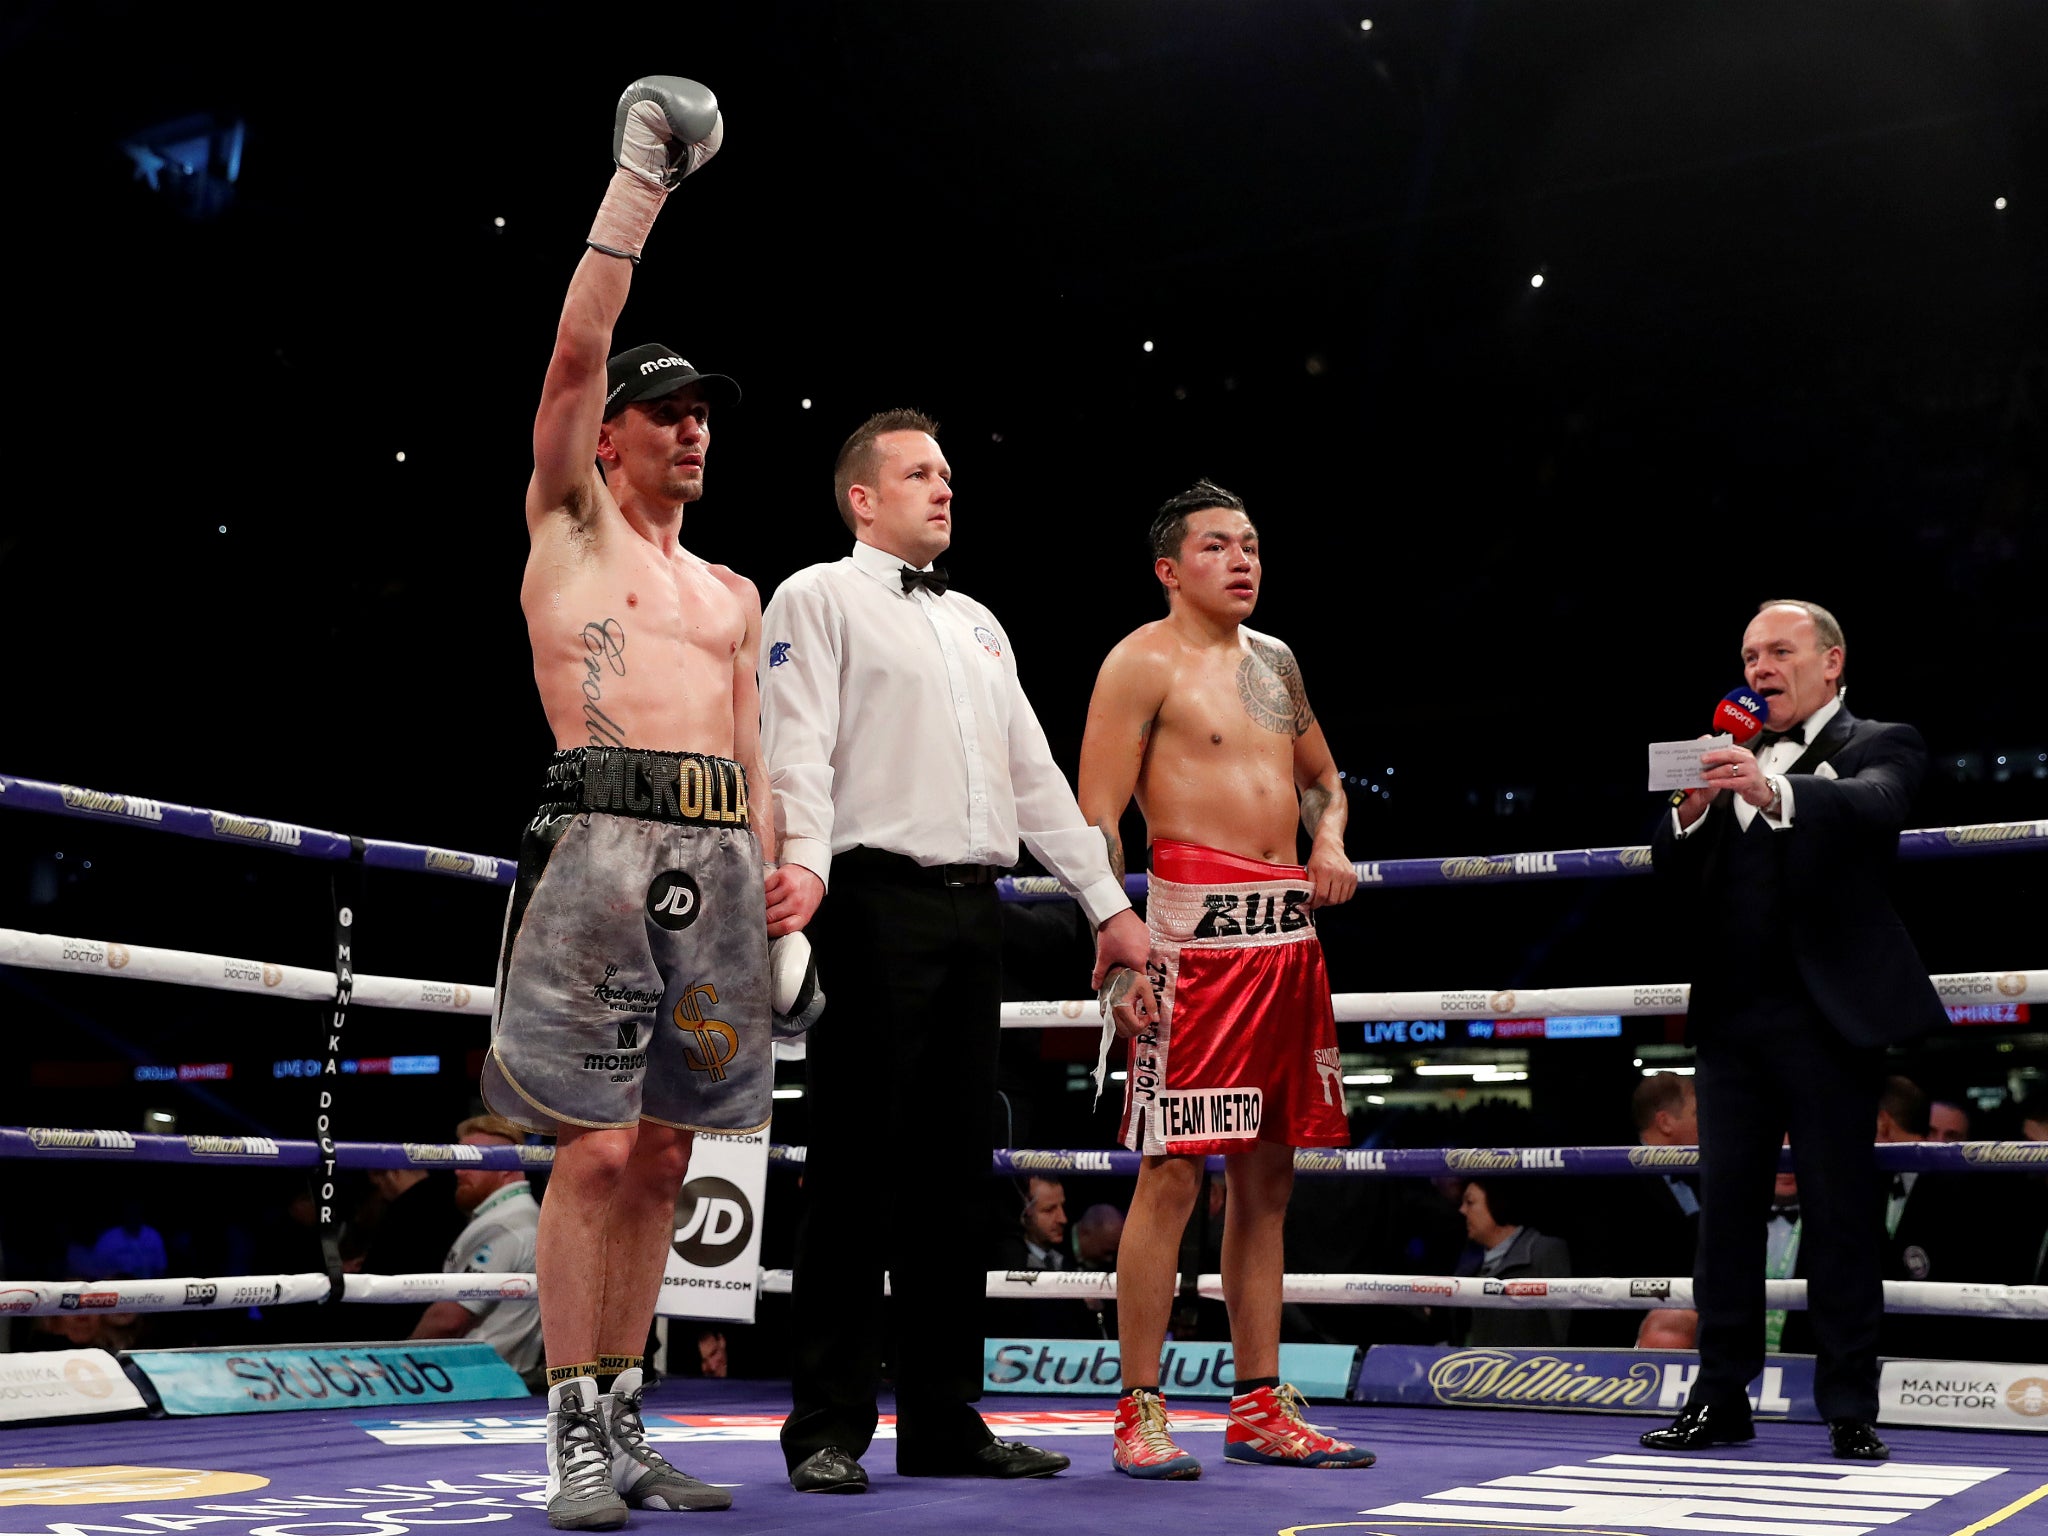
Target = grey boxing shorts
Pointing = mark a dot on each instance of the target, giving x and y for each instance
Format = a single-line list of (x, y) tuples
[(633, 978)]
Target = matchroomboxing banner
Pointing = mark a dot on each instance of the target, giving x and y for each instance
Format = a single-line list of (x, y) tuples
[(714, 1256)]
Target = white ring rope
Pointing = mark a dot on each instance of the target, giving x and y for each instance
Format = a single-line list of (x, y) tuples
[(223, 973), (1957, 987), (1577, 1294), (103, 957)]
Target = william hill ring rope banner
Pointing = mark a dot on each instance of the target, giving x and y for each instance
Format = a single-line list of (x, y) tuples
[(313, 843), (137, 962), (51, 1142)]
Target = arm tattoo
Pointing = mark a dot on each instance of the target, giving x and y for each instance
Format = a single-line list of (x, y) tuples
[(1115, 846), (1315, 804), (1269, 683), (604, 649)]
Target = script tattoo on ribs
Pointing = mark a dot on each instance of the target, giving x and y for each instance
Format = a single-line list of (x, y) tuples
[(1269, 683), (604, 646)]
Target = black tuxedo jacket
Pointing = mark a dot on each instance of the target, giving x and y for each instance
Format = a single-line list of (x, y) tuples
[(1858, 963)]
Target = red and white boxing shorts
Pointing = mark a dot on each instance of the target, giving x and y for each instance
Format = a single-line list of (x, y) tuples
[(1244, 1048)]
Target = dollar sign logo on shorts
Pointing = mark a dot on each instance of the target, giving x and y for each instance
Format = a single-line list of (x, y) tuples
[(708, 1033)]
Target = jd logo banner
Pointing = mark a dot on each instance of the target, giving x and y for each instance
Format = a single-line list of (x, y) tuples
[(714, 1220)]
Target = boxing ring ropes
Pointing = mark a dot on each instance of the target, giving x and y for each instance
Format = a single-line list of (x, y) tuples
[(109, 958)]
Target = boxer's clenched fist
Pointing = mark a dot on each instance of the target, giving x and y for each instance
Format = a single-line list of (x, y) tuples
[(666, 127)]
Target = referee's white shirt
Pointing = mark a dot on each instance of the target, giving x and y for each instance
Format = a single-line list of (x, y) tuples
[(894, 720)]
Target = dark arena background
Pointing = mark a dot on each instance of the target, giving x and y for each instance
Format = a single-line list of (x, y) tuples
[(1542, 338)]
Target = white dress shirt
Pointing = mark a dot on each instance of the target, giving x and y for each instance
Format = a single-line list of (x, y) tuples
[(1773, 760), (894, 720)]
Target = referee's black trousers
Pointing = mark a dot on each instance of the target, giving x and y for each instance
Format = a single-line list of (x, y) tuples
[(902, 1077)]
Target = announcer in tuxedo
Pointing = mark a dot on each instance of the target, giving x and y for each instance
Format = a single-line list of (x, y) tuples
[(1801, 975)]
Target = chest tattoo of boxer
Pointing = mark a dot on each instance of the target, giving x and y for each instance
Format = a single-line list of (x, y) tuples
[(604, 647), (1269, 684)]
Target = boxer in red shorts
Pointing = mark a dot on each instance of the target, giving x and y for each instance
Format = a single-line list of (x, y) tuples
[(1206, 723)]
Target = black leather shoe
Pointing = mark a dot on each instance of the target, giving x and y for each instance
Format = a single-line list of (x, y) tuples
[(1856, 1440), (999, 1458), (829, 1471), (1702, 1425)]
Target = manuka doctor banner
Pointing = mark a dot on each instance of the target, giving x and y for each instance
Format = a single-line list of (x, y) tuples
[(1964, 1394), (1570, 1380), (407, 1374), (1186, 1369)]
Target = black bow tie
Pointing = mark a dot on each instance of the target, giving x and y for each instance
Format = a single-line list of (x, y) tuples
[(1784, 1213), (1772, 738), (933, 581)]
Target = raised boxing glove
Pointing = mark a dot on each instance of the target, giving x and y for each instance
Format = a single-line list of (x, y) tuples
[(665, 128)]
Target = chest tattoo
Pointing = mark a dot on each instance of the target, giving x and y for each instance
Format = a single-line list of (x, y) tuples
[(1269, 684)]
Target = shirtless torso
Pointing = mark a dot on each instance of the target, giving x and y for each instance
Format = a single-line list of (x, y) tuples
[(1217, 762), (634, 644)]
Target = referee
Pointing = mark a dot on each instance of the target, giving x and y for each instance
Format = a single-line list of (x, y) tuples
[(907, 765)]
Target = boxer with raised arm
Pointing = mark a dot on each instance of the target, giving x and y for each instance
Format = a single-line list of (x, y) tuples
[(633, 1003), (1207, 723)]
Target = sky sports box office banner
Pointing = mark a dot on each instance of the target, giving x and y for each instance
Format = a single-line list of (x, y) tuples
[(1955, 1394), (714, 1261)]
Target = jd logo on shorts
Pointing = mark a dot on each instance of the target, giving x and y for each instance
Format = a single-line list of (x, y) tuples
[(672, 900), (717, 1042), (713, 1222)]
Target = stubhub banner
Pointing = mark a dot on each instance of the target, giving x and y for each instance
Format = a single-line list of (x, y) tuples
[(1186, 1368), (197, 1381), (1570, 1380)]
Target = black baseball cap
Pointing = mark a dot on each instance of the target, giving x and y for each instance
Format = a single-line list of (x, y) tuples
[(652, 371)]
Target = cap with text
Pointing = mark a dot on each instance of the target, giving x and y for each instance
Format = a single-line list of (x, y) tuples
[(653, 372)]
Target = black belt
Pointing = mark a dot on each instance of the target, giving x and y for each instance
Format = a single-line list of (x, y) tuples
[(880, 864)]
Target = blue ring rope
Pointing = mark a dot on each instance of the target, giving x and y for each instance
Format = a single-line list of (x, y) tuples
[(51, 1144), (1481, 869)]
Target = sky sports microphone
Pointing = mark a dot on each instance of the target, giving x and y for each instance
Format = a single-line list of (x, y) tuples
[(1742, 715)]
